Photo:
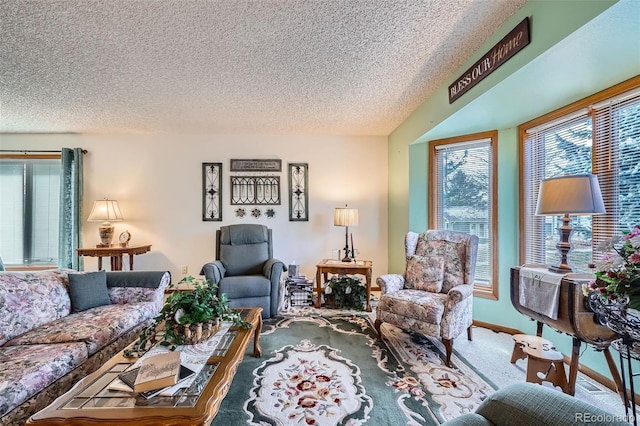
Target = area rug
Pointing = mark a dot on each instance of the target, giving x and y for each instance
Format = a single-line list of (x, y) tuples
[(330, 369)]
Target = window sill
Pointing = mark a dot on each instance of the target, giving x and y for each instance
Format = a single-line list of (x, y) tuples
[(29, 267)]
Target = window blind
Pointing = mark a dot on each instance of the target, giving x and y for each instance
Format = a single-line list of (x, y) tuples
[(616, 137), (29, 204), (463, 201), (604, 141), (563, 148)]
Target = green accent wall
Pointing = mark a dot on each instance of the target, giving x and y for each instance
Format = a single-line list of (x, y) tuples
[(577, 48)]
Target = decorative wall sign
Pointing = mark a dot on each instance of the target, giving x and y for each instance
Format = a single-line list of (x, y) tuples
[(511, 44), (256, 165), (298, 192), (212, 192), (262, 190)]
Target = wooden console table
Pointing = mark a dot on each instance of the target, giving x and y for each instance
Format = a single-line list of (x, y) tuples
[(328, 266), (115, 253), (576, 319)]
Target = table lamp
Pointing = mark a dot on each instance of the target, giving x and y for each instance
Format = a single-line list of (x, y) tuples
[(105, 211), (344, 216), (575, 195)]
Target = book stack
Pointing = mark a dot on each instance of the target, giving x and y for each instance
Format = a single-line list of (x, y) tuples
[(299, 280), (300, 290)]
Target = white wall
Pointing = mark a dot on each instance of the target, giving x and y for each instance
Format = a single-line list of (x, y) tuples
[(157, 180)]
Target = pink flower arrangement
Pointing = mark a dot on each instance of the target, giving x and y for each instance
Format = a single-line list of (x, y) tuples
[(618, 273)]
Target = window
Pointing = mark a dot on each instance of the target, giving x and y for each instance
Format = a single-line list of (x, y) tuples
[(29, 206), (600, 135), (463, 198)]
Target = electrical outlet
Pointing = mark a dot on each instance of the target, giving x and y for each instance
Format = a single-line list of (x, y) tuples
[(185, 269)]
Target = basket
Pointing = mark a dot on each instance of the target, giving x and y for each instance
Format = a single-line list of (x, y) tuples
[(199, 332)]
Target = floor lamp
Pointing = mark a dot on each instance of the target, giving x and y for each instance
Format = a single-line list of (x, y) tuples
[(576, 195), (344, 216)]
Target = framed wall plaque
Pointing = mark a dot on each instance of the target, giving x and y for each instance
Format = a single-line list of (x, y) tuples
[(255, 165), (212, 192), (298, 192), (260, 190)]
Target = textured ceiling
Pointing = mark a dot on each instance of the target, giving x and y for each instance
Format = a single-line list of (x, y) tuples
[(348, 67)]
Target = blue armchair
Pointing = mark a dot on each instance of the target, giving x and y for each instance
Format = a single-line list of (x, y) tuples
[(245, 269)]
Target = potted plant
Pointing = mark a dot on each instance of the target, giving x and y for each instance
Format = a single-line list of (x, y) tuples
[(345, 292), (188, 317)]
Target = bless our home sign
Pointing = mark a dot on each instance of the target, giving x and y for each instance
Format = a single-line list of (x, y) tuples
[(511, 44)]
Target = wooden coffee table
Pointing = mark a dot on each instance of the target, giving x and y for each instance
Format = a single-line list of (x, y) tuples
[(90, 403)]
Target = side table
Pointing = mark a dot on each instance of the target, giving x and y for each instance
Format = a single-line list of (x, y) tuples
[(329, 266), (115, 253)]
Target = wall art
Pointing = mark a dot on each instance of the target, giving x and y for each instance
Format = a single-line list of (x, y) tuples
[(212, 192), (298, 192), (261, 190), (256, 165)]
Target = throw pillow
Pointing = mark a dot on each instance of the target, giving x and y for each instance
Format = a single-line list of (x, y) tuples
[(88, 290), (453, 253), (424, 273)]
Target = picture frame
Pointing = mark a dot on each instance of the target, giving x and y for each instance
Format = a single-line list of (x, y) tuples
[(212, 192)]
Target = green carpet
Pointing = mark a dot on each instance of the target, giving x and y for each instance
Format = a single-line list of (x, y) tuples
[(331, 370)]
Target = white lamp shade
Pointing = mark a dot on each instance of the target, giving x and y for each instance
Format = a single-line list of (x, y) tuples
[(345, 216), (572, 195), (105, 211)]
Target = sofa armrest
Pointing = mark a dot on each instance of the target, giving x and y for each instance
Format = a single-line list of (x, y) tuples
[(213, 271), (138, 286), (273, 267), (390, 283), (460, 292), (535, 404)]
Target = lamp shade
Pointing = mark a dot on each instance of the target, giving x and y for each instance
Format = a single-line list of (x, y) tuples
[(344, 216), (105, 211), (572, 195)]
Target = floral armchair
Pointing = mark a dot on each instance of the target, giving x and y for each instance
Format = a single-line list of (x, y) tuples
[(435, 295)]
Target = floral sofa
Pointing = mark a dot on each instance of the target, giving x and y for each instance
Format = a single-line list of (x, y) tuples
[(46, 347)]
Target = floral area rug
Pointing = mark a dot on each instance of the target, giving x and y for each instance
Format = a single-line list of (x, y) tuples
[(330, 369)]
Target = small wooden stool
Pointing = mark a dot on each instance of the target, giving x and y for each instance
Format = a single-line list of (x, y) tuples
[(546, 366), (526, 341)]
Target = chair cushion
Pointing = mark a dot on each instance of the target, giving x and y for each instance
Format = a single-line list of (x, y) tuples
[(453, 253), (88, 290), (246, 259), (245, 286), (424, 273), (416, 304), (26, 370)]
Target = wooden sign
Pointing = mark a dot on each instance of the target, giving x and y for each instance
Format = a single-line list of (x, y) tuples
[(511, 44)]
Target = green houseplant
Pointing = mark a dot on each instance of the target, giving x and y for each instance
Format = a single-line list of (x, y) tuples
[(187, 317), (345, 292)]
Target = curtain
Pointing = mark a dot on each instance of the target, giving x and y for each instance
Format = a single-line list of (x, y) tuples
[(70, 209)]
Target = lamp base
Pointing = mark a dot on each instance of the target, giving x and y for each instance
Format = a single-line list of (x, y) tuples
[(564, 246), (106, 234), (561, 269)]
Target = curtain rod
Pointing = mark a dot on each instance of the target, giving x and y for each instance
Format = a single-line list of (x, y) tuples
[(29, 151)]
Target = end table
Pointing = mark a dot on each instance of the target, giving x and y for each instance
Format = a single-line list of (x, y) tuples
[(329, 266), (116, 253)]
